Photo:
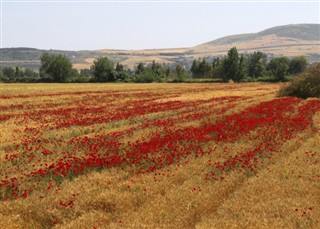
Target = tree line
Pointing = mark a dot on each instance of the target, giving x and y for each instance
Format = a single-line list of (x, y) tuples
[(232, 67)]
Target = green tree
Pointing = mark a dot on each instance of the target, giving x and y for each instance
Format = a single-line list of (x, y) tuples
[(215, 62), (167, 72), (233, 66), (8, 72), (242, 69), (147, 76), (297, 65), (195, 70), (103, 70), (279, 67), (157, 69), (205, 68), (2, 77), (30, 73), (257, 63), (56, 67), (179, 70), (119, 67), (217, 68), (140, 68), (18, 72), (121, 73)]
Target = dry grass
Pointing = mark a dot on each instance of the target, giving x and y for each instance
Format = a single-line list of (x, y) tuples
[(178, 195)]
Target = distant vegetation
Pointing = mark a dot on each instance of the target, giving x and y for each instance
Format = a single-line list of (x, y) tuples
[(304, 85), (232, 67)]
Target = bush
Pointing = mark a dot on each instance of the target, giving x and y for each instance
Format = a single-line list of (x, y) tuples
[(269, 79), (145, 77), (304, 85)]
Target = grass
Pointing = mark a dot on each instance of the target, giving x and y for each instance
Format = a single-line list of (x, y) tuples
[(281, 191)]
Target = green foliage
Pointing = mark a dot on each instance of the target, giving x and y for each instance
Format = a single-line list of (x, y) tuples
[(305, 85), (201, 69), (242, 69), (8, 72), (167, 72), (2, 77), (257, 63), (180, 75), (217, 68), (279, 68), (30, 74), (140, 68), (56, 67), (147, 76), (297, 65), (179, 70), (121, 73), (267, 78), (73, 76), (152, 73), (18, 73), (195, 69), (233, 66), (157, 69), (103, 70)]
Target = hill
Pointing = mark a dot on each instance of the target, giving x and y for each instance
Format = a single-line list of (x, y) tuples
[(289, 40), (308, 32)]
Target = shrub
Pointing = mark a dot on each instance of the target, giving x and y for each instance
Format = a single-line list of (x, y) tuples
[(304, 85), (145, 77)]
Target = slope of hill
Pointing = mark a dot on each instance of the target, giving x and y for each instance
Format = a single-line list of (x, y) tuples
[(308, 32), (288, 40), (30, 57)]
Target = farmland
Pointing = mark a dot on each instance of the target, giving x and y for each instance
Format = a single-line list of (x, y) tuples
[(158, 156)]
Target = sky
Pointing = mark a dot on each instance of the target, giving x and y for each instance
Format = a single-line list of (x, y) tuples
[(93, 25)]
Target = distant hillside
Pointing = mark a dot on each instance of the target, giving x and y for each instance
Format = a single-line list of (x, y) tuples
[(30, 57), (306, 32), (288, 40)]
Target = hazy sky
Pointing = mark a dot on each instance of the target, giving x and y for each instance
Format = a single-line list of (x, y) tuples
[(82, 25)]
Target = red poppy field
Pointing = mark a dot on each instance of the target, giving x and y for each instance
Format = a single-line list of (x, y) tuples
[(158, 156)]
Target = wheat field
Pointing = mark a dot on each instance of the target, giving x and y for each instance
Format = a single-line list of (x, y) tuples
[(158, 156)]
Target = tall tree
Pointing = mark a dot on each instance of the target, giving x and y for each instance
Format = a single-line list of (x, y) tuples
[(119, 67), (242, 69), (257, 63), (157, 69), (215, 62), (8, 72), (167, 72), (103, 70), (297, 65), (18, 72), (179, 70), (279, 67), (121, 73), (231, 66), (2, 77), (140, 68), (57, 67), (195, 69)]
